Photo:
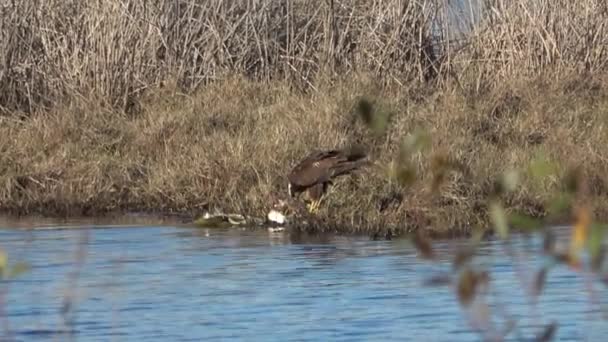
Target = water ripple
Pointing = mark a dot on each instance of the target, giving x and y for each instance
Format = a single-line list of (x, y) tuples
[(162, 283)]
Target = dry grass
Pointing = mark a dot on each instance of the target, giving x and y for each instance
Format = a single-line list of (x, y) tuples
[(113, 51), (230, 145), (190, 105)]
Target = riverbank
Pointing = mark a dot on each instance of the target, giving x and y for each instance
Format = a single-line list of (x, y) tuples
[(229, 146), (177, 108)]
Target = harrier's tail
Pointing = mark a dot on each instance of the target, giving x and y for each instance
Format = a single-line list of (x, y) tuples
[(355, 159), (355, 153), (347, 167)]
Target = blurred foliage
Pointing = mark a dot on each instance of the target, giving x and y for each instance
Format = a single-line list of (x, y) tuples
[(570, 198), (376, 120), (8, 271)]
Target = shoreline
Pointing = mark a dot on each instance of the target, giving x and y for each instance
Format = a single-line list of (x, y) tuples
[(182, 157), (117, 218), (141, 219)]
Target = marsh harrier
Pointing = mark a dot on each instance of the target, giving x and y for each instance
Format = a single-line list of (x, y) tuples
[(314, 174)]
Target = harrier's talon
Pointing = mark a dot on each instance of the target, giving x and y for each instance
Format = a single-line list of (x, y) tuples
[(313, 207)]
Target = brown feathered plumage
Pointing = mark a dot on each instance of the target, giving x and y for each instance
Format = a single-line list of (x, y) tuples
[(315, 173)]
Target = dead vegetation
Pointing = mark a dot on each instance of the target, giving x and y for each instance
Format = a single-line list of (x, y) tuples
[(185, 106), (191, 153)]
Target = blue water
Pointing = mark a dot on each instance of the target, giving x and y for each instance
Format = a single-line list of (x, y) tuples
[(167, 283)]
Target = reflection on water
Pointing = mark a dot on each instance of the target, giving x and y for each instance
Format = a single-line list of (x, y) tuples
[(169, 283)]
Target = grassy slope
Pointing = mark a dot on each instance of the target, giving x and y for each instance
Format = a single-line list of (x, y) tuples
[(86, 127), (230, 145)]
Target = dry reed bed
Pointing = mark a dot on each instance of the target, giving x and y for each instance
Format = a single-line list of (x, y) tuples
[(139, 105), (230, 145), (111, 51)]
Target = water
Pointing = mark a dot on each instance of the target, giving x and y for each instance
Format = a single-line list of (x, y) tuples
[(168, 283)]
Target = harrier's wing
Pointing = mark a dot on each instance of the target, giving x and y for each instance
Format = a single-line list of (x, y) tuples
[(315, 168)]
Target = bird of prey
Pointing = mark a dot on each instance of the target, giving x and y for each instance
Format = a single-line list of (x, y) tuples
[(314, 174)]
